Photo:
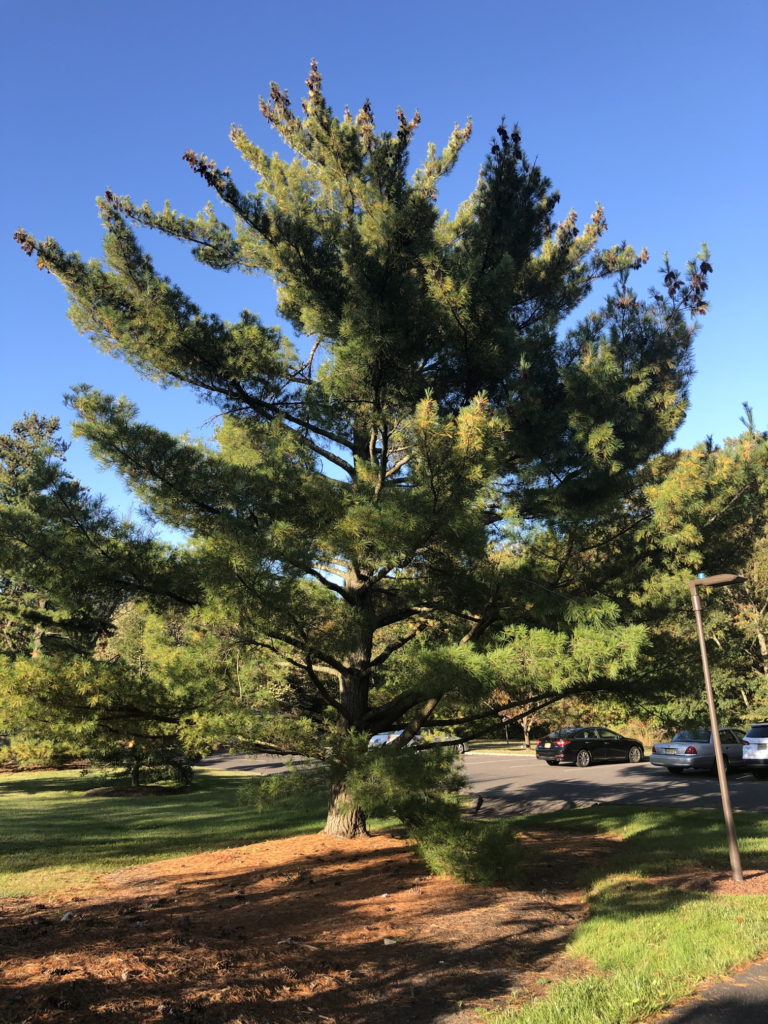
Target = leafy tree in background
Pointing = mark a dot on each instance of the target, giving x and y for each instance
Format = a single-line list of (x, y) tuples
[(710, 514), (66, 561), (67, 567), (359, 513), (139, 703)]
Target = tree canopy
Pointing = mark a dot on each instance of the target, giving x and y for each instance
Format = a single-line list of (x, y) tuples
[(435, 401)]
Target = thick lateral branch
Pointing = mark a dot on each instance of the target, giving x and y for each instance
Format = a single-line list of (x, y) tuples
[(412, 728), (299, 645), (527, 707), (393, 710), (321, 688)]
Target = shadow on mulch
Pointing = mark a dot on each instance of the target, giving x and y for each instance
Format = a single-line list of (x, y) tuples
[(309, 928)]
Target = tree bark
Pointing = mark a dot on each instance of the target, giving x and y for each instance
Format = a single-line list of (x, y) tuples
[(345, 820), (526, 722)]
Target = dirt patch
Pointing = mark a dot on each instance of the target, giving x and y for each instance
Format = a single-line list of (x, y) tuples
[(755, 882), (304, 929)]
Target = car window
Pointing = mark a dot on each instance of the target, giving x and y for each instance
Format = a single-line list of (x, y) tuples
[(608, 734), (692, 736), (726, 736), (758, 731)]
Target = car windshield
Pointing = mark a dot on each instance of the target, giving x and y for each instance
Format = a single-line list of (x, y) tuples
[(758, 732), (561, 734), (691, 736)]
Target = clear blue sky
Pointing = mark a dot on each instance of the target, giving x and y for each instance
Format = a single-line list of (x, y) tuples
[(656, 109)]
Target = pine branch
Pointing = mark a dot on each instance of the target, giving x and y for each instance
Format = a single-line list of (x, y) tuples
[(397, 645)]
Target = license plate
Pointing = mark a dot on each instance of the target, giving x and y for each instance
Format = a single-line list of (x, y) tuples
[(762, 746), (548, 745), (669, 750)]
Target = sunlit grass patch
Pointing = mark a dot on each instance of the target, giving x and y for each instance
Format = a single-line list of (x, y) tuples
[(53, 835), (650, 944)]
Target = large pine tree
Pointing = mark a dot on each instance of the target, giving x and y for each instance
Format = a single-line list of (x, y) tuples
[(353, 512)]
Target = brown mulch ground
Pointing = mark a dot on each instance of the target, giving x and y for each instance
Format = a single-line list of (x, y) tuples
[(305, 929)]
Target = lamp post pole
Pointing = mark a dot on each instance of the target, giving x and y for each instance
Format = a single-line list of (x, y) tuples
[(721, 580)]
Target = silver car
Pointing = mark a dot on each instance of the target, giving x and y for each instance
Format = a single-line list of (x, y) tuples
[(426, 738), (755, 748), (693, 748)]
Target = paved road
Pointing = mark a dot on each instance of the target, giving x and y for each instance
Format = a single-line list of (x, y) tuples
[(740, 999), (521, 784), (254, 764), (518, 784)]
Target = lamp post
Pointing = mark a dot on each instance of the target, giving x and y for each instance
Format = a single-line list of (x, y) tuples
[(723, 579)]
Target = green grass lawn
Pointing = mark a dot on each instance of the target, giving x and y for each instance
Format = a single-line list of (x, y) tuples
[(650, 945), (501, 747), (53, 836)]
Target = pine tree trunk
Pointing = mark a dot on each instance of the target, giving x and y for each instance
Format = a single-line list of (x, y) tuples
[(345, 820)]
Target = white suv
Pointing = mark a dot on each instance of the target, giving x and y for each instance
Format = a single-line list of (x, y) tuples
[(755, 750)]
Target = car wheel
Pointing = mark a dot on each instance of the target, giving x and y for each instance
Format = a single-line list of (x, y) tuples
[(635, 755), (551, 762), (674, 769), (583, 759)]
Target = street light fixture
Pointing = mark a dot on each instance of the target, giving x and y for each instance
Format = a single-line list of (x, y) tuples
[(723, 579)]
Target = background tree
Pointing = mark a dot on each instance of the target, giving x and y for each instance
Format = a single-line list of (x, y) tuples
[(139, 703), (351, 510), (710, 514), (66, 561), (67, 568)]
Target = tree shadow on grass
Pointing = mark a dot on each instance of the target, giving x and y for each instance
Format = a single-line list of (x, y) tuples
[(76, 830)]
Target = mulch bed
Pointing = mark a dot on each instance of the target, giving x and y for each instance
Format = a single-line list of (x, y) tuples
[(309, 928), (303, 929)]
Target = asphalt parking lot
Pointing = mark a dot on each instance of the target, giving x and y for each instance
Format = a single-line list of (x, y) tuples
[(519, 784)]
